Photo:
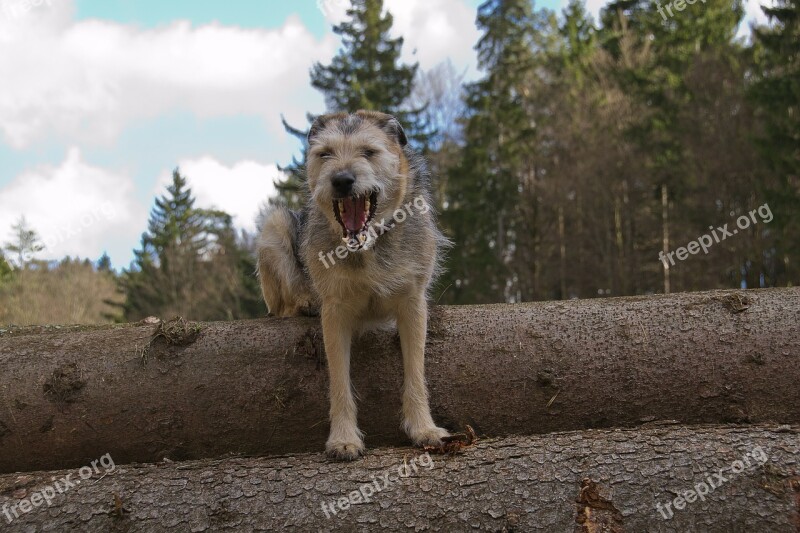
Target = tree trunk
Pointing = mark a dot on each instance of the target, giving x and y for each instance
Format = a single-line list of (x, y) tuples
[(70, 395), (597, 480)]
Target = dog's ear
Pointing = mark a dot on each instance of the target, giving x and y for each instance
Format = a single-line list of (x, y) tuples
[(317, 126), (389, 124), (392, 126)]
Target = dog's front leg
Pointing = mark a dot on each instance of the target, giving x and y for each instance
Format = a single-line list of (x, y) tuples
[(412, 324), (345, 441)]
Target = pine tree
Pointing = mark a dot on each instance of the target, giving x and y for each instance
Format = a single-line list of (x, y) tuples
[(189, 263), (291, 190), (575, 101), (25, 242), (776, 93), (489, 224), (579, 38), (620, 17), (250, 300), (5, 269), (678, 39), (104, 263), (365, 74), (680, 42)]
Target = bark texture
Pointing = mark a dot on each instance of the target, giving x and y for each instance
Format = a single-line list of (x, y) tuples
[(561, 482), (260, 387)]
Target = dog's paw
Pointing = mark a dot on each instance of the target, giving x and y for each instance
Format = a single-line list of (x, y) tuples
[(344, 451), (430, 436)]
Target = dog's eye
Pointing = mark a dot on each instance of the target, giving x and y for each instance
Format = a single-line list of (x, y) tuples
[(369, 153), (325, 155)]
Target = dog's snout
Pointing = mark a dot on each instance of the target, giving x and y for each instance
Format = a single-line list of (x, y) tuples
[(343, 182)]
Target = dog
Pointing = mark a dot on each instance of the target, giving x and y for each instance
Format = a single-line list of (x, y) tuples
[(363, 251)]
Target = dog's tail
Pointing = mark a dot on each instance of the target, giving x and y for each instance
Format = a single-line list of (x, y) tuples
[(284, 283)]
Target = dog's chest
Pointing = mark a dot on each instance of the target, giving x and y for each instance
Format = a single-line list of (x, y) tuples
[(365, 276)]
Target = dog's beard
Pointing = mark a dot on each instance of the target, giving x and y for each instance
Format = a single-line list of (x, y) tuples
[(354, 215)]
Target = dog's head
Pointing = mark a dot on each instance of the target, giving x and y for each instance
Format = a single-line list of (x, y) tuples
[(357, 173)]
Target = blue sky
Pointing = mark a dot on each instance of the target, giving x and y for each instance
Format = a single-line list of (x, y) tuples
[(103, 98), (243, 13)]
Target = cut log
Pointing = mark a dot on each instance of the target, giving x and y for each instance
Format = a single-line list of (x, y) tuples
[(653, 479), (260, 386)]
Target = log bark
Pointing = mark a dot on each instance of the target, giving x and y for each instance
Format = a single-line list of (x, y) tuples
[(597, 480), (260, 386)]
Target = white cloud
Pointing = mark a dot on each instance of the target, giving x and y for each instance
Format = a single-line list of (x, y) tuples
[(752, 14), (82, 210), (77, 209), (239, 190), (84, 81), (436, 30)]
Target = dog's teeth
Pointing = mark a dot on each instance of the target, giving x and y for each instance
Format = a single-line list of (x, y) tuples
[(366, 205), (341, 206), (362, 238)]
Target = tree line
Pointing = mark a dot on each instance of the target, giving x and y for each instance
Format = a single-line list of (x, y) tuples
[(590, 152)]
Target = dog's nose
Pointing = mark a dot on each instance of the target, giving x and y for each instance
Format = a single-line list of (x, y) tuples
[(343, 182)]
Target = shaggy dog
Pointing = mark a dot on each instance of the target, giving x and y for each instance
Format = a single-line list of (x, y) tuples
[(364, 250)]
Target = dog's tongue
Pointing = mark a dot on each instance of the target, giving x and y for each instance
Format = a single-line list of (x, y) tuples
[(355, 213)]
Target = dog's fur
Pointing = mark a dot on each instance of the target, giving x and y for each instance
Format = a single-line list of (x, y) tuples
[(386, 279)]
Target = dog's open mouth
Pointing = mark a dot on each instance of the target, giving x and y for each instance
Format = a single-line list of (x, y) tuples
[(354, 215)]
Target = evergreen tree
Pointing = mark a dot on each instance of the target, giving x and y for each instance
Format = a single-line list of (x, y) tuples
[(678, 40), (189, 263), (25, 242), (484, 215), (250, 301), (776, 93), (622, 17), (577, 136), (5, 269), (104, 263), (579, 38), (365, 74)]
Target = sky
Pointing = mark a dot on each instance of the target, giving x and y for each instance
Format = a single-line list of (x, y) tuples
[(101, 99)]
